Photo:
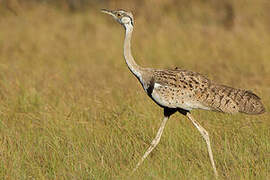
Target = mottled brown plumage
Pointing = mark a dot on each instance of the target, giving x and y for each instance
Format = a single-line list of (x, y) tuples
[(189, 90), (182, 90)]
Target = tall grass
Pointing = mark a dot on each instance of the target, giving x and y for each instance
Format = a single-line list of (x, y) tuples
[(70, 109)]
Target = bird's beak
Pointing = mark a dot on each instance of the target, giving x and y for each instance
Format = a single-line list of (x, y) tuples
[(108, 12)]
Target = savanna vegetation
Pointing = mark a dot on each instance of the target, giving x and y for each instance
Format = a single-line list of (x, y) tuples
[(70, 108)]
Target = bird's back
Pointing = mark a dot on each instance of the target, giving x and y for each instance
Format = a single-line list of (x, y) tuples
[(189, 90)]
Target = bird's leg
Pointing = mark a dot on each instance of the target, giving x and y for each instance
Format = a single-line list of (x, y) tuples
[(205, 135), (154, 143)]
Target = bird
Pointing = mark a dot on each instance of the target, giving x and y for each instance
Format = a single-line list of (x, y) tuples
[(179, 90)]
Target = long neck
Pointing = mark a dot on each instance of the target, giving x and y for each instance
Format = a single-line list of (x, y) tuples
[(132, 65)]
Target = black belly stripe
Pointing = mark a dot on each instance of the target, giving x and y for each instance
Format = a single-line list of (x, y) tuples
[(150, 88)]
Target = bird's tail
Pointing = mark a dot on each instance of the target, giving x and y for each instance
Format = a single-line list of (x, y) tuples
[(230, 100), (250, 103)]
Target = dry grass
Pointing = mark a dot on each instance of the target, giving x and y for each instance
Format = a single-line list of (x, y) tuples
[(70, 109)]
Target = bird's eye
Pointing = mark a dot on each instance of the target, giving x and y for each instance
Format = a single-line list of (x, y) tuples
[(118, 14)]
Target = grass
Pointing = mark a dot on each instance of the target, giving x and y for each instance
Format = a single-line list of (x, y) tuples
[(70, 109)]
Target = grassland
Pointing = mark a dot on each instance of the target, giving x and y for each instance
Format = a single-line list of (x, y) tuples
[(70, 109)]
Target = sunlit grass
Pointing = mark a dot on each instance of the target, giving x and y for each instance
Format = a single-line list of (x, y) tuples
[(71, 109)]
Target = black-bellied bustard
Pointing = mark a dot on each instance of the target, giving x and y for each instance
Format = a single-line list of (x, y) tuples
[(182, 90)]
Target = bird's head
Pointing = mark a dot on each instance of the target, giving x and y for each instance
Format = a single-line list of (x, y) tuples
[(123, 17)]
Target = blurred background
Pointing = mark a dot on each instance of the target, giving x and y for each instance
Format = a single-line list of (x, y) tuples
[(70, 108), (226, 13)]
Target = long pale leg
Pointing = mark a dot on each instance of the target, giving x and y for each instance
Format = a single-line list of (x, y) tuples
[(205, 135), (154, 143)]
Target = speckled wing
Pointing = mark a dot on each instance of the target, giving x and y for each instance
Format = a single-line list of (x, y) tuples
[(178, 89), (189, 90)]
